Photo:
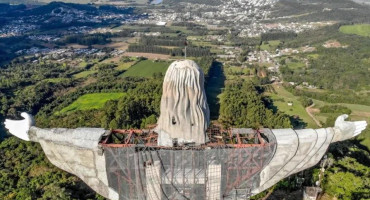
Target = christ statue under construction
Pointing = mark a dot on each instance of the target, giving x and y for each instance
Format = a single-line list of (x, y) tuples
[(183, 158)]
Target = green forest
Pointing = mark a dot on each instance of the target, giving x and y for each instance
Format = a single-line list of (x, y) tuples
[(243, 106)]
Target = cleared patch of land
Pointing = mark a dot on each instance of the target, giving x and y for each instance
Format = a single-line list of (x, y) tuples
[(147, 68), (91, 101), (357, 29)]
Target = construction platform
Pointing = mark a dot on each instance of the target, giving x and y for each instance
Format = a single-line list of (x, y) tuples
[(226, 167)]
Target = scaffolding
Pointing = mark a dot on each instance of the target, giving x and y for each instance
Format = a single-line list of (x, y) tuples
[(226, 167)]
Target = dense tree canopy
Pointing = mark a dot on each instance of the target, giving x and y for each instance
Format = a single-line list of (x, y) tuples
[(25, 173), (242, 106)]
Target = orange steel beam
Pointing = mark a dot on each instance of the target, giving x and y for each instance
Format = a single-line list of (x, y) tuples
[(129, 137), (149, 138), (259, 137), (239, 140)]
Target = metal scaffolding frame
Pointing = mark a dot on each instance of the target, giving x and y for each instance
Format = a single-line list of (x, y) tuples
[(226, 167)]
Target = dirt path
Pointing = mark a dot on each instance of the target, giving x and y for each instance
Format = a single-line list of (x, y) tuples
[(309, 112)]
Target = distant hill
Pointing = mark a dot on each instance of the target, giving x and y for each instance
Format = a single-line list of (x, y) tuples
[(74, 1), (362, 1), (58, 8)]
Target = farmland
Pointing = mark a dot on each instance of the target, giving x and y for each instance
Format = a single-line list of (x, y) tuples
[(147, 68), (91, 101)]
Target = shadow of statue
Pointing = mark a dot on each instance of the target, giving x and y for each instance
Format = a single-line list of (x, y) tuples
[(214, 86)]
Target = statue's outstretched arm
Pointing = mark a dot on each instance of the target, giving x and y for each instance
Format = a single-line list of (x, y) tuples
[(73, 150), (298, 150)]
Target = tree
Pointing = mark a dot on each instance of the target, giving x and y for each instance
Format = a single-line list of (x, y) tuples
[(305, 101), (113, 124), (242, 106)]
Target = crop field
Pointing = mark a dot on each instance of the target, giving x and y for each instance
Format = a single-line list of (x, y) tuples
[(91, 101), (358, 29), (147, 68)]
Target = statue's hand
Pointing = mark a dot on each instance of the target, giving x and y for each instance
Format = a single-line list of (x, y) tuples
[(345, 130), (20, 128)]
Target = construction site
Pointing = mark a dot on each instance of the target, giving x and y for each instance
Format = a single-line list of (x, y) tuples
[(223, 168)]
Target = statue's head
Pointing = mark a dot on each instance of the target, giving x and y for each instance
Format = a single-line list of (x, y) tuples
[(184, 109)]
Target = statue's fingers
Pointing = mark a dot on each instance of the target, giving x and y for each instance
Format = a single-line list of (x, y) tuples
[(359, 130), (360, 123)]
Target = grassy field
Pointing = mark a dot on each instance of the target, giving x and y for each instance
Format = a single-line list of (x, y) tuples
[(55, 80), (358, 29), (124, 66), (203, 43), (239, 70), (83, 64), (295, 65), (364, 138), (146, 68), (84, 74), (271, 46), (295, 110), (313, 55), (359, 112), (183, 29), (91, 101)]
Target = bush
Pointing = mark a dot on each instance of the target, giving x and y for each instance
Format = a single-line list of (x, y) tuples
[(305, 101), (335, 109)]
